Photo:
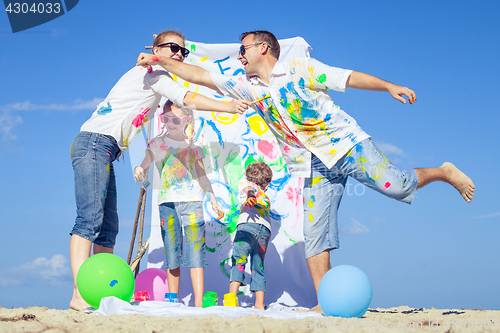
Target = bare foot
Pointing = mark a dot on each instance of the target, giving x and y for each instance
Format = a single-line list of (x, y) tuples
[(78, 304), (317, 309), (260, 307), (459, 180)]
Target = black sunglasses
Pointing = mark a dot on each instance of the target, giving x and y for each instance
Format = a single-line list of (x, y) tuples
[(243, 48), (175, 48)]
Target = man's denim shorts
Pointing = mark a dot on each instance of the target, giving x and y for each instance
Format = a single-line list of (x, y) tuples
[(187, 216), (324, 189), (92, 156)]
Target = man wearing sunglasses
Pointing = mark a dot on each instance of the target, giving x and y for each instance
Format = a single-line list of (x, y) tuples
[(319, 141)]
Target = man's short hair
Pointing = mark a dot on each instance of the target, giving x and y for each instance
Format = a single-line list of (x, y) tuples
[(265, 36), (259, 173)]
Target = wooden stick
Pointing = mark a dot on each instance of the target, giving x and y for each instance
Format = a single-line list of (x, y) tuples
[(141, 225), (141, 228), (151, 47), (137, 214), (139, 255), (149, 131)]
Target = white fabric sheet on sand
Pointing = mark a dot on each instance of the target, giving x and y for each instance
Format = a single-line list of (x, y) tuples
[(113, 305)]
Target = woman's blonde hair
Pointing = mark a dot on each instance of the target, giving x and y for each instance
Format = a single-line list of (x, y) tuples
[(159, 38)]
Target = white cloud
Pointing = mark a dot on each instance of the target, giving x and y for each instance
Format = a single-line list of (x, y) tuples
[(486, 216), (76, 105), (40, 271), (7, 123), (389, 149), (9, 120), (356, 228)]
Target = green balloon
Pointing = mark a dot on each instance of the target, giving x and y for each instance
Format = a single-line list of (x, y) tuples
[(104, 275)]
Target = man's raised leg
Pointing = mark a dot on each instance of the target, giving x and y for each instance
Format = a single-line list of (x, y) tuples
[(450, 174), (366, 155)]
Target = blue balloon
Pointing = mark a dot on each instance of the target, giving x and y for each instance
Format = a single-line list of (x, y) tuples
[(345, 291)]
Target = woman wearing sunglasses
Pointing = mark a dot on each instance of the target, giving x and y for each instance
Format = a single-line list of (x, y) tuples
[(179, 158), (116, 122)]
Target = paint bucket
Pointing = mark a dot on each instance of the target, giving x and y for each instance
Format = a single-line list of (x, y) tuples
[(171, 297), (230, 299), (209, 299), (141, 296)]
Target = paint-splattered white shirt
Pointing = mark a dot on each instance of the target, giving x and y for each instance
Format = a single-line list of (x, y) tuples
[(176, 162), (260, 212), (300, 113), (132, 103)]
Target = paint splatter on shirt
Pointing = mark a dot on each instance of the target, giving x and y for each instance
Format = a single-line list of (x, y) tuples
[(176, 162), (300, 113), (104, 109), (132, 103), (260, 212)]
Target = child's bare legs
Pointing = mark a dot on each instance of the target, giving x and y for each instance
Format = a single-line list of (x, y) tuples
[(259, 300), (79, 251), (450, 174), (198, 281), (173, 278), (259, 295), (234, 286)]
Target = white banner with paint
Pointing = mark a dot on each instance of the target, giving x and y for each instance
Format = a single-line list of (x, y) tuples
[(230, 143)]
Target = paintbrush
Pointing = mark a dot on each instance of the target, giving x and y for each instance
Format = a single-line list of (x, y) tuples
[(261, 99)]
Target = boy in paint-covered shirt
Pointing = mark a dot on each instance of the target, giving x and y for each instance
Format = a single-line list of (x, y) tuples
[(253, 231)]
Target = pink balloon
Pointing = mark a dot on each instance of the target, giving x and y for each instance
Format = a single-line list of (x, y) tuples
[(154, 281)]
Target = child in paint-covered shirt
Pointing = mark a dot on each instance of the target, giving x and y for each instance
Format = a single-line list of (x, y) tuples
[(253, 231), (178, 157)]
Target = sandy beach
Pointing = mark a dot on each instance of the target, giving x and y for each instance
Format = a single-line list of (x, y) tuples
[(40, 319)]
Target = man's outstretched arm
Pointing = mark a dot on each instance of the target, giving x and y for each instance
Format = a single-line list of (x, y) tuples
[(364, 81), (190, 73)]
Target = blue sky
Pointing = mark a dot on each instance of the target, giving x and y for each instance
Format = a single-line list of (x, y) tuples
[(438, 252)]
